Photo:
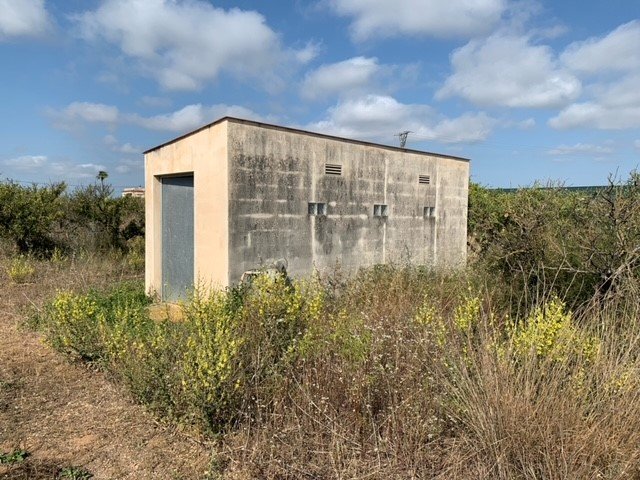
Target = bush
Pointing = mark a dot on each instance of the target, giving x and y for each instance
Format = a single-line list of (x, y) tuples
[(29, 215), (21, 269), (44, 220), (105, 221), (550, 240)]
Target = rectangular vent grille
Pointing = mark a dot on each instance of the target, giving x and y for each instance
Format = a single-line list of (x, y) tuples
[(332, 169), (424, 179)]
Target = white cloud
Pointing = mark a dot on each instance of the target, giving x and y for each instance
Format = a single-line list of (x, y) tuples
[(341, 77), (615, 106), (26, 162), (372, 116), (74, 170), (112, 142), (467, 128), (379, 118), (185, 43), (526, 124), (23, 18), (84, 112), (637, 144), (191, 116), (508, 70), (613, 101), (438, 18), (155, 102), (617, 51), (182, 120), (581, 149), (308, 53)]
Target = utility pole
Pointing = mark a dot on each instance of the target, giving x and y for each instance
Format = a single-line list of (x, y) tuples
[(403, 137)]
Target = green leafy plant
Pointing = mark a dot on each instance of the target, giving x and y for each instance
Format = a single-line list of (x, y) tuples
[(11, 458), (74, 473)]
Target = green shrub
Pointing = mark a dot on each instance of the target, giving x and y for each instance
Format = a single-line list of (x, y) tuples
[(29, 215), (89, 326)]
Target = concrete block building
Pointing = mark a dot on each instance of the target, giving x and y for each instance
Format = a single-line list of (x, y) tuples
[(236, 195)]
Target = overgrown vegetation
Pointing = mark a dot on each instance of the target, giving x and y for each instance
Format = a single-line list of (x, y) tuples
[(526, 365), (40, 220), (577, 243)]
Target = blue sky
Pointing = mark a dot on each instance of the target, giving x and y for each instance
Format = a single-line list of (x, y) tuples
[(528, 90)]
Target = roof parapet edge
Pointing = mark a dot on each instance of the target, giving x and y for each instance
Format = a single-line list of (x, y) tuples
[(303, 132)]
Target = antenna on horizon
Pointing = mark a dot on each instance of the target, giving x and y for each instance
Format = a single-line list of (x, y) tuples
[(403, 137)]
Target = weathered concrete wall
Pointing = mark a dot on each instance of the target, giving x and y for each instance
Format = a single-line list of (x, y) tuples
[(274, 173), (204, 154)]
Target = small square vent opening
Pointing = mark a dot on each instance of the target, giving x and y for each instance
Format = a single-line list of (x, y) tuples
[(380, 210), (317, 208)]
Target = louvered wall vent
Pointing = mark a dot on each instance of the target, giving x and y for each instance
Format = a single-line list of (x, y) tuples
[(424, 179), (332, 169)]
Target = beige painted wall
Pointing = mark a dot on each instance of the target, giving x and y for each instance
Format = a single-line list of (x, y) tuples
[(204, 154)]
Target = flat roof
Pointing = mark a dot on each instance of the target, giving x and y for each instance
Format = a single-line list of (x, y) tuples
[(303, 132)]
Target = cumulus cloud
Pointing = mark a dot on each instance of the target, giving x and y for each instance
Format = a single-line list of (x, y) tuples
[(308, 53), (340, 78), (183, 44), (26, 162), (508, 70), (112, 142), (379, 117), (615, 106), (180, 121), (467, 128), (437, 18), (581, 149), (23, 18), (612, 101), (191, 116), (77, 113), (617, 51)]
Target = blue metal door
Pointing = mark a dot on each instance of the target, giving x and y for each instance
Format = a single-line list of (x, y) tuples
[(177, 237)]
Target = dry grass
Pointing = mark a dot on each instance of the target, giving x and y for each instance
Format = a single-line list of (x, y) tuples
[(66, 414), (397, 373)]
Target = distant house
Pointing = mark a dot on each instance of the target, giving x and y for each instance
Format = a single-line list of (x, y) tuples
[(133, 192), (236, 195)]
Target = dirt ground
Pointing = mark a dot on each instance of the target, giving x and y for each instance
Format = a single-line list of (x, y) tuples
[(65, 414)]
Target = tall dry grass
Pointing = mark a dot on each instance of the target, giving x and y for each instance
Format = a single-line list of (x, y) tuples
[(397, 372)]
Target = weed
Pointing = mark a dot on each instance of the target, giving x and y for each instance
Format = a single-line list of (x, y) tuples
[(11, 458), (74, 473), (135, 254), (21, 269)]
